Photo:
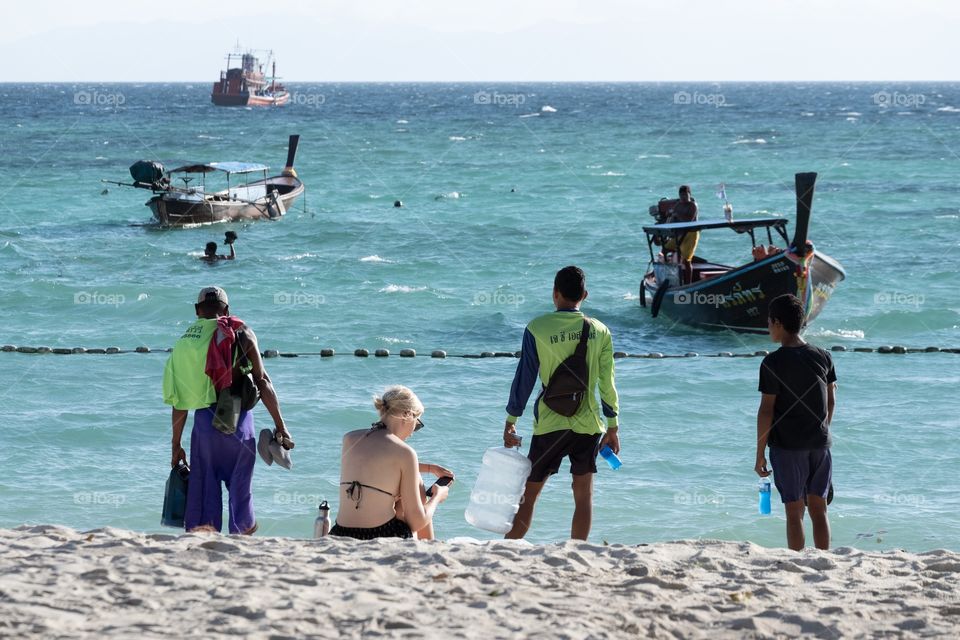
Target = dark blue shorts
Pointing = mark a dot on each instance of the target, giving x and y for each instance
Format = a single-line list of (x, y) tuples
[(799, 474)]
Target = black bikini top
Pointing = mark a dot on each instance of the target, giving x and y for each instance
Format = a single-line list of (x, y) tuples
[(355, 489)]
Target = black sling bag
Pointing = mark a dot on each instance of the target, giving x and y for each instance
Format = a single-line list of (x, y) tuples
[(568, 385)]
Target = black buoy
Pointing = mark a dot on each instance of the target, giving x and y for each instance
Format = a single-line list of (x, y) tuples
[(397, 204)]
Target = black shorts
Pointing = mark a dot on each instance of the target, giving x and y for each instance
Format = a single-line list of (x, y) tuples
[(548, 450)]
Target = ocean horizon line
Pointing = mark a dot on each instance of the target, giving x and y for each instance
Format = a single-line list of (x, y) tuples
[(486, 82)]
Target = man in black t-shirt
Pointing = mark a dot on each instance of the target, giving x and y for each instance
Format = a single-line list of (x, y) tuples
[(798, 384)]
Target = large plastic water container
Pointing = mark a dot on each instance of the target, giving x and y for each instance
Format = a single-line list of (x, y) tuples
[(496, 495)]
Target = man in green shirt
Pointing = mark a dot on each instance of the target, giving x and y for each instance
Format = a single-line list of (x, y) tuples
[(215, 457), (547, 341)]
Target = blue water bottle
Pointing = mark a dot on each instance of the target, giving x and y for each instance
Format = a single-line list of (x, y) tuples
[(610, 457), (765, 496)]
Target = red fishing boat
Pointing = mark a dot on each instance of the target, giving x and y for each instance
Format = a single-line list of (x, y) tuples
[(247, 85)]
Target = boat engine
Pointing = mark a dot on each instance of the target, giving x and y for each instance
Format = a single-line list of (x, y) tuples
[(147, 174), (661, 211)]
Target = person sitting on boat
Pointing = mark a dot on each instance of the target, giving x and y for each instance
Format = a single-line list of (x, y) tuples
[(684, 211), (210, 253)]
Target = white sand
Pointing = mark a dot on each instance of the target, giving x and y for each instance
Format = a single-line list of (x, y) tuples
[(57, 582)]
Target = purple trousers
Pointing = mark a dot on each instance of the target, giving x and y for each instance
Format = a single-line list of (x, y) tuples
[(217, 458)]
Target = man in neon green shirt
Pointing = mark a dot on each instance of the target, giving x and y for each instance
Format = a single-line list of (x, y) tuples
[(215, 458), (547, 341)]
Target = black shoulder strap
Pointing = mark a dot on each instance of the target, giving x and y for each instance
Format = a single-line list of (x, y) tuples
[(239, 349), (581, 350)]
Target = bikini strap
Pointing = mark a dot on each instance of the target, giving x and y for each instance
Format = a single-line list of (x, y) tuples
[(355, 491)]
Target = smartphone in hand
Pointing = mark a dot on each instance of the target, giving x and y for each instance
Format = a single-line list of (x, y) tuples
[(442, 482)]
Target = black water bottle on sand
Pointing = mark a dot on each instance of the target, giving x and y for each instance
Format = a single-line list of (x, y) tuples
[(321, 526)]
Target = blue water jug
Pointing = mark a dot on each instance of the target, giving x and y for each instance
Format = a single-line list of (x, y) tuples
[(175, 498), (496, 495), (765, 496)]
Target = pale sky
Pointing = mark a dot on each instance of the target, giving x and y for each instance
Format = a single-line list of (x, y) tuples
[(485, 40)]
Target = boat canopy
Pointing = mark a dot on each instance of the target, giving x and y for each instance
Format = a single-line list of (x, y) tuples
[(226, 167), (678, 228)]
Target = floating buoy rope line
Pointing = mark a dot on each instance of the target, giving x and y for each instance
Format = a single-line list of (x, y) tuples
[(411, 353)]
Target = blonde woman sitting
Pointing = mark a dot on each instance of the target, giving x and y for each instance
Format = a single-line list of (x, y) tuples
[(381, 489)]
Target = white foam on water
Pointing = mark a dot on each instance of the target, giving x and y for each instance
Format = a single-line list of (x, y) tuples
[(807, 114), (547, 109), (457, 138), (849, 334), (612, 173), (644, 156), (197, 225), (390, 340), (400, 288), (298, 256), (748, 141), (402, 122), (530, 115), (949, 109), (631, 296), (375, 258)]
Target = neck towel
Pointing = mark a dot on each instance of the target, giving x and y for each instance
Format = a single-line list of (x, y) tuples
[(220, 353)]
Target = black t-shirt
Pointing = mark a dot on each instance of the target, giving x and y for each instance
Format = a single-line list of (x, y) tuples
[(799, 377)]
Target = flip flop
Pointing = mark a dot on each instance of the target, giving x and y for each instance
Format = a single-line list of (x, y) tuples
[(263, 446), (280, 455)]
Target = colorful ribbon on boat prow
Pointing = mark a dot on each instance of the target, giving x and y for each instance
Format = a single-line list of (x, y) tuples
[(804, 290)]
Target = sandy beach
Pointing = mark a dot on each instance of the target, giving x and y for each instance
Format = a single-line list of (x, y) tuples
[(56, 582)]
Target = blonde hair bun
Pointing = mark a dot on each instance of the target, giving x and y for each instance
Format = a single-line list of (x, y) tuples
[(397, 400)]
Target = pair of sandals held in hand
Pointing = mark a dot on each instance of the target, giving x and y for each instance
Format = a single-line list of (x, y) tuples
[(275, 447)]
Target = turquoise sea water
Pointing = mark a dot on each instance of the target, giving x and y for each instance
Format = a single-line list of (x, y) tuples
[(498, 193)]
